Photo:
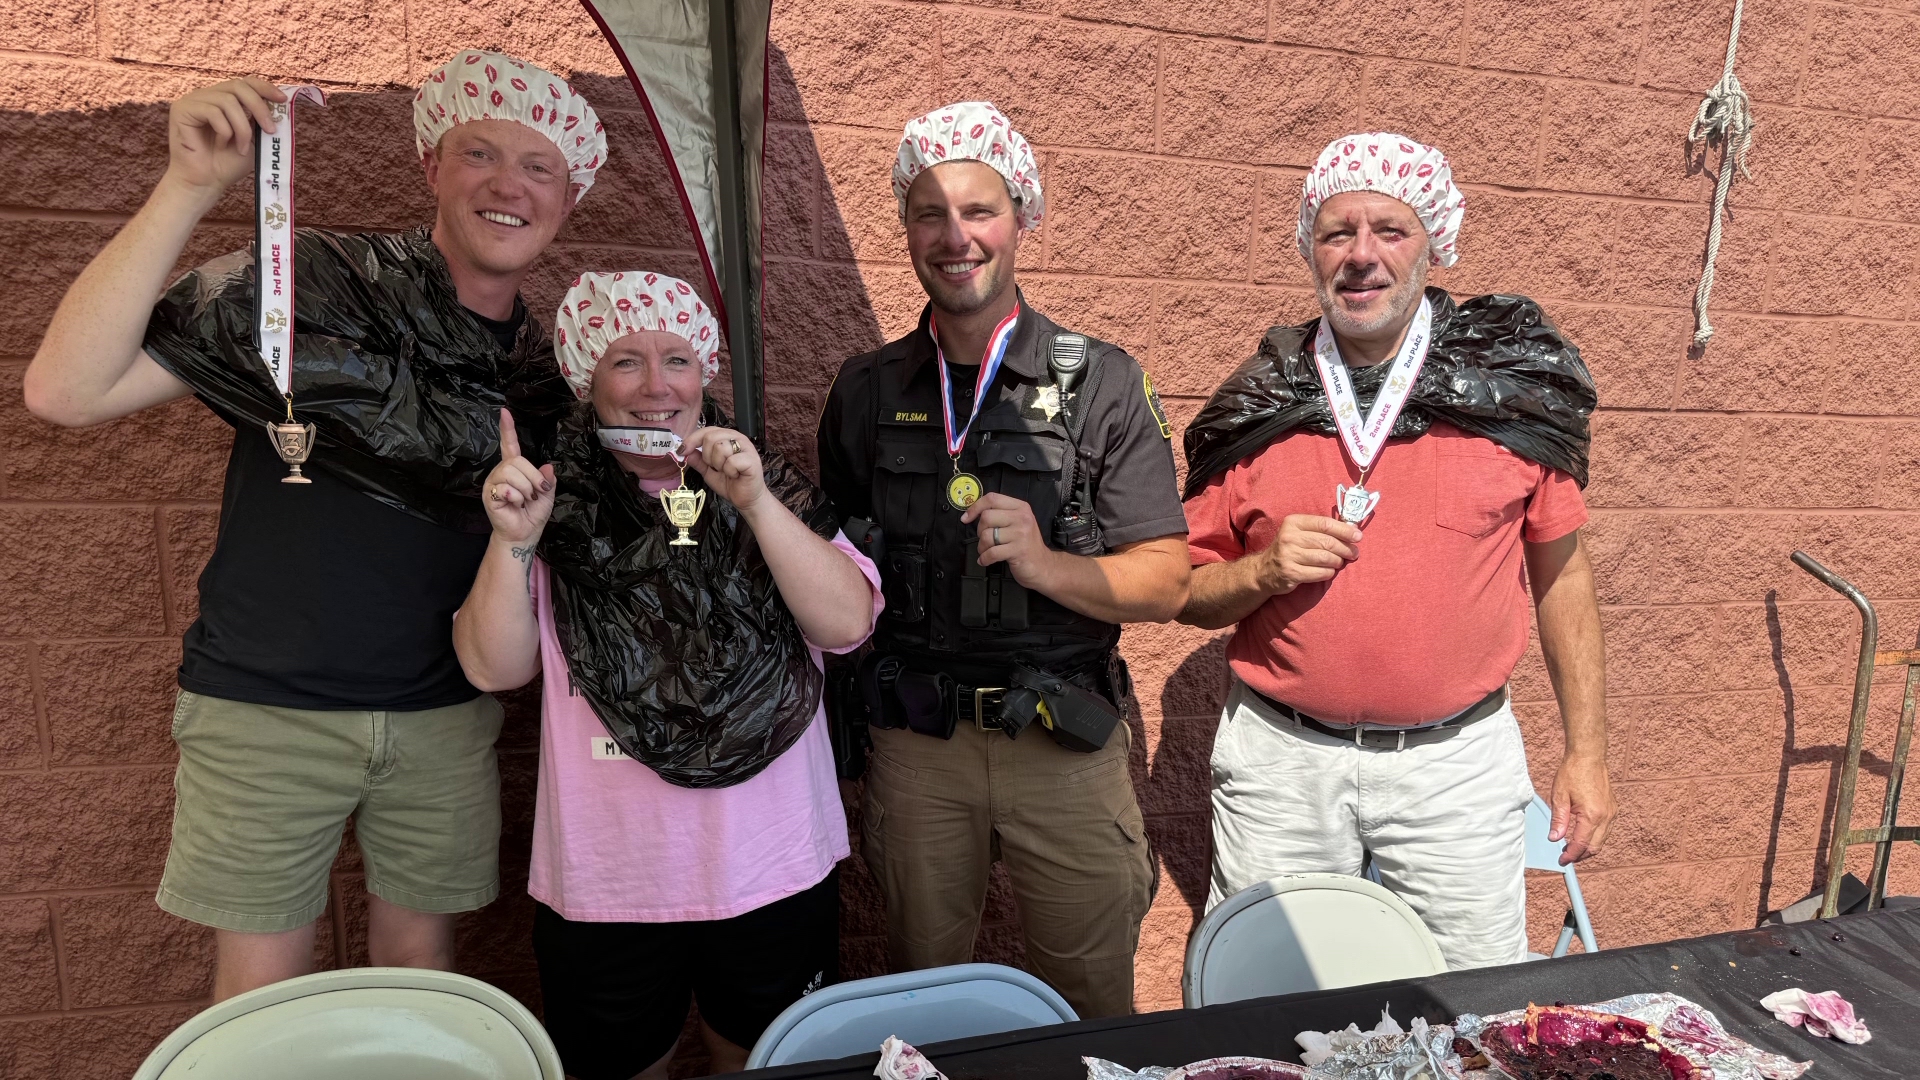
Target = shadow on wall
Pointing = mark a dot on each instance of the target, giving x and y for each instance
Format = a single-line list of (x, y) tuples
[(1180, 780)]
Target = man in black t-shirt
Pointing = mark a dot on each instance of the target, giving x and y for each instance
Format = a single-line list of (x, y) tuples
[(319, 682)]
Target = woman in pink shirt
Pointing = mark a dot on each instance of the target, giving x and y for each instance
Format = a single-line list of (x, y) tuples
[(688, 819)]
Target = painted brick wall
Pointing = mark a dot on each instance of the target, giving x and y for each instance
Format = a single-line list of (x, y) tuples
[(1172, 137)]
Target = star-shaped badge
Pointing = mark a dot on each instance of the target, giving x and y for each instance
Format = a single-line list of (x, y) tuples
[(1047, 400)]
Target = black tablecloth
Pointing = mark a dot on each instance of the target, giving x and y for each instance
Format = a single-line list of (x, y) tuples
[(1873, 959)]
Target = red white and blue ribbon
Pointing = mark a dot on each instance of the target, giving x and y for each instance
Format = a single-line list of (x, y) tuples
[(273, 236), (989, 367)]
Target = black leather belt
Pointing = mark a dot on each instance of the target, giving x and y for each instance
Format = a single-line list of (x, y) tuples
[(1390, 738)]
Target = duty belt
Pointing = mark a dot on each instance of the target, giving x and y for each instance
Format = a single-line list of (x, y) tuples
[(1387, 738), (977, 691)]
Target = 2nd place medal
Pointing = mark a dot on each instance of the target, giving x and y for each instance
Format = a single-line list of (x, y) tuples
[(1364, 436), (965, 489)]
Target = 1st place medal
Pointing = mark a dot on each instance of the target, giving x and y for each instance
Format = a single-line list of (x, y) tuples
[(273, 265), (683, 506), (1363, 436), (965, 489)]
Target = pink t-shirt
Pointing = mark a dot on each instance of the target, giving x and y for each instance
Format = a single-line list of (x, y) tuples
[(612, 842)]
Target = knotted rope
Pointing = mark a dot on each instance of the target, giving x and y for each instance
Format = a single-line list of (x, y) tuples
[(1725, 120)]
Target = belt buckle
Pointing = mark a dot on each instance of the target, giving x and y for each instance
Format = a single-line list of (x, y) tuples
[(979, 702), (1360, 733)]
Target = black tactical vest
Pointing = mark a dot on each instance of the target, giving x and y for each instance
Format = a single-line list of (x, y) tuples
[(941, 603)]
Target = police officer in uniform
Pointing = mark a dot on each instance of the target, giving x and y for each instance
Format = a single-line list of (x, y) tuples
[(1015, 484)]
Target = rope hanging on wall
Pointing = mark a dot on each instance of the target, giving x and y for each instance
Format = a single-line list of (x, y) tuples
[(1725, 120)]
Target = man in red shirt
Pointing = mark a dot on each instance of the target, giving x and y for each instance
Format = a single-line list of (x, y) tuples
[(1370, 499)]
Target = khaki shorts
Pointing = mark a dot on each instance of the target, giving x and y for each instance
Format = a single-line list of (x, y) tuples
[(263, 793)]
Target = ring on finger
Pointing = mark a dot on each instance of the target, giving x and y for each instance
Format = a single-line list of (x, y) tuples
[(996, 536), (734, 444)]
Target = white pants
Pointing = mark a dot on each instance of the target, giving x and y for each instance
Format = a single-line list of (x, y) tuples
[(1444, 821)]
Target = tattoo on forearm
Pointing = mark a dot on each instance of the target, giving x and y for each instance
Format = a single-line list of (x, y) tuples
[(525, 555)]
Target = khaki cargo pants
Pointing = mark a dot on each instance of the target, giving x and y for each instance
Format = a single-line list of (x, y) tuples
[(939, 812)]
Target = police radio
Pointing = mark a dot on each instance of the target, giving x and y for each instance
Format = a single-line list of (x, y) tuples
[(1076, 529)]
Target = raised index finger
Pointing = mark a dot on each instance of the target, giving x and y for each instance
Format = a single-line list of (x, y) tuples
[(509, 439)]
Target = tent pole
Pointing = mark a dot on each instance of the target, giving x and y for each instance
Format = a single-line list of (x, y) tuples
[(737, 286)]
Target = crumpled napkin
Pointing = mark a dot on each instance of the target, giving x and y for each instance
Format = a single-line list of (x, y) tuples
[(1822, 1014), (1318, 1046), (899, 1061)]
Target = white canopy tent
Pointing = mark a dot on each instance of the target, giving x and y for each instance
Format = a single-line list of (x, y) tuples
[(700, 68)]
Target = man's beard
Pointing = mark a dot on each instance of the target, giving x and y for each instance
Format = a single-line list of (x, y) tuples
[(1399, 303), (964, 299)]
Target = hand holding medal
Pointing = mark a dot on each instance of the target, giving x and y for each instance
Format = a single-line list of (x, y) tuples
[(1307, 549), (1009, 534), (729, 464)]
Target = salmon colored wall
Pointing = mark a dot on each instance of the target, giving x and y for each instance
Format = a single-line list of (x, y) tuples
[(1172, 137)]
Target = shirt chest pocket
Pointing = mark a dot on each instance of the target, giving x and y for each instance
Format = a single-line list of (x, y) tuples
[(1482, 487), (1027, 466), (906, 483)]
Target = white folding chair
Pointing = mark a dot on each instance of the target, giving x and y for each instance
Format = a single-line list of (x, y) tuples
[(377, 1023), (1305, 932), (919, 1006)]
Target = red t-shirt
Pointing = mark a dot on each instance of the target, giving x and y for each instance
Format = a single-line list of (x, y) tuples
[(1432, 616)]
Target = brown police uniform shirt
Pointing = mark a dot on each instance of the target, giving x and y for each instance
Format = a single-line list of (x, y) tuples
[(882, 458)]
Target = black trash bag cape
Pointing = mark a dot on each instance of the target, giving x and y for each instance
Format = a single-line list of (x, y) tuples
[(688, 654), (402, 383), (1498, 367)]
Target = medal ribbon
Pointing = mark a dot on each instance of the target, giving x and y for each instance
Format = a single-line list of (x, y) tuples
[(273, 238), (640, 442), (989, 367), (1363, 436)]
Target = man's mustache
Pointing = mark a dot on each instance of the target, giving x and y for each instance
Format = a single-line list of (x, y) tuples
[(1362, 281)]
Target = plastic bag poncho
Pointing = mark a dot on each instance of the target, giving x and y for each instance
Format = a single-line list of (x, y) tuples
[(403, 384), (688, 654), (1498, 367)]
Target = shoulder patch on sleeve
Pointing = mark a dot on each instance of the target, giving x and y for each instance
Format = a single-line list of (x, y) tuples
[(1153, 403)]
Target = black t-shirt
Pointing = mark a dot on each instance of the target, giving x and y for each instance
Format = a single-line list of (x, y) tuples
[(503, 330), (321, 597), (961, 378)]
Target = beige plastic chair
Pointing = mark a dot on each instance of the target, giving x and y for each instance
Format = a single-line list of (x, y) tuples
[(1305, 932), (361, 1024)]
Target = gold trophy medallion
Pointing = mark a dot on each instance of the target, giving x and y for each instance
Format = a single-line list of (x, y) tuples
[(963, 490), (294, 443), (683, 506)]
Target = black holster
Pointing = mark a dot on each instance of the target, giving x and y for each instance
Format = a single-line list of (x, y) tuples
[(848, 718), (1080, 720)]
